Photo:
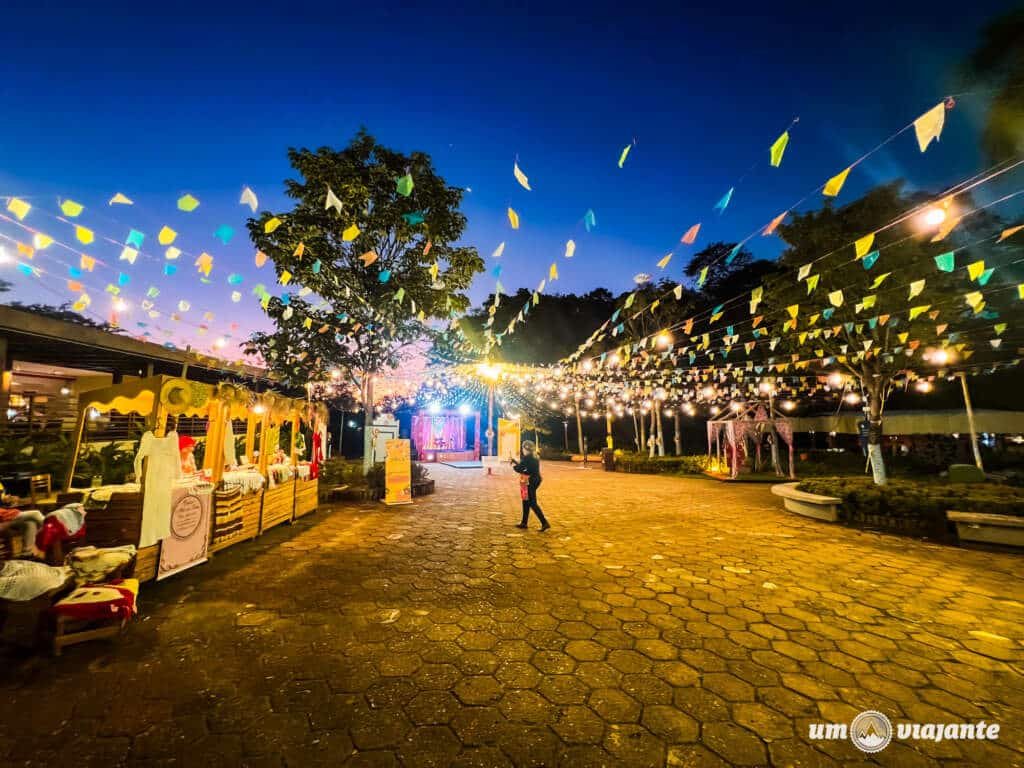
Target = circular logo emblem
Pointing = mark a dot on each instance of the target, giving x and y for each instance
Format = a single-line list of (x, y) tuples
[(186, 516), (871, 731)]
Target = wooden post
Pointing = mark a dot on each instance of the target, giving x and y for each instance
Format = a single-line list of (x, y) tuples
[(296, 426), (83, 415), (970, 421), (579, 423), (677, 433), (250, 437), (5, 380), (608, 441)]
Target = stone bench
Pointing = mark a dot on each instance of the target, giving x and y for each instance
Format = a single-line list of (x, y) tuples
[(808, 504), (1007, 530)]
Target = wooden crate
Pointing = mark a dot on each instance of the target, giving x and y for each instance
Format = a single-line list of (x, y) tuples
[(306, 496), (147, 562), (278, 505), (114, 523)]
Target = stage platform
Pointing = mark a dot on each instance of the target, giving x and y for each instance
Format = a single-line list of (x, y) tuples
[(445, 457), (464, 464)]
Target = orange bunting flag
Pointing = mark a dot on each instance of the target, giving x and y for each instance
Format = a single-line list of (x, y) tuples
[(1010, 232), (863, 245), (368, 258), (204, 263), (833, 185), (299, 250), (26, 250), (261, 258), (691, 235), (86, 262), (773, 224), (946, 227), (74, 286), (929, 125)]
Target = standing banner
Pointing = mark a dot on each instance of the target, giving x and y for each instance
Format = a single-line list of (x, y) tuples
[(397, 473), (508, 439), (190, 529)]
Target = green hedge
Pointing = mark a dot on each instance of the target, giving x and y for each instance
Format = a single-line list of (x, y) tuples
[(641, 463), (863, 501)]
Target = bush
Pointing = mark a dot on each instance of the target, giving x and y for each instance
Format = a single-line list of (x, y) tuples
[(862, 500), (641, 463)]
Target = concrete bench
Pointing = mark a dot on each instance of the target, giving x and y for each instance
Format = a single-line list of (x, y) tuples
[(808, 504), (1007, 530)]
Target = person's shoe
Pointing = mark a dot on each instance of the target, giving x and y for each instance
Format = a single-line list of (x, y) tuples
[(544, 527), (522, 525)]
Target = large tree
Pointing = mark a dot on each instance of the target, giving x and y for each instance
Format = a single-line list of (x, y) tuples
[(367, 255), (876, 318)]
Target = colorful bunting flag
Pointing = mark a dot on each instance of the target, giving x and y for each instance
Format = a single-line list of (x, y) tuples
[(916, 287), (774, 224), (589, 220), (879, 280), (948, 225), (835, 298), (71, 208), (723, 203), (129, 254), (570, 249), (521, 177), (19, 208), (833, 185), (863, 245), (272, 224), (350, 233), (812, 283), (261, 258), (975, 269), (499, 250), (513, 219), (249, 198), (187, 203), (1010, 232), (691, 234), (404, 185), (946, 262), (119, 199), (929, 125), (224, 233), (622, 157), (870, 259), (84, 235), (778, 149)]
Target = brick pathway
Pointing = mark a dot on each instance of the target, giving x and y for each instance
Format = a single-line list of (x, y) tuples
[(661, 621)]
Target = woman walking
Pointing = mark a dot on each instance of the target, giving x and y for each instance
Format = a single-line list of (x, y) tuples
[(529, 467)]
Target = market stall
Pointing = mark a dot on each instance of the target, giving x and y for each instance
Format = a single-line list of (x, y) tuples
[(276, 464), (166, 513), (307, 471)]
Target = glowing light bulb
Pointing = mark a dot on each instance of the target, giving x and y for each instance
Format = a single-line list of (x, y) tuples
[(933, 217), (788, 405)]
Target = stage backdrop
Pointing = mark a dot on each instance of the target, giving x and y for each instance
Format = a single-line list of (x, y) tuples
[(439, 433)]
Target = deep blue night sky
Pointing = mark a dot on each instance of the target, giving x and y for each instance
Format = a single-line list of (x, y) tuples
[(157, 100)]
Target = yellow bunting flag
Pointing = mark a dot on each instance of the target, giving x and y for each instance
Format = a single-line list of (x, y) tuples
[(863, 245), (833, 185), (187, 203), (774, 224), (703, 276), (1020, 290), (755, 298), (803, 272), (916, 287), (119, 199), (433, 271), (916, 312), (1010, 232), (691, 235), (129, 254), (520, 176), (879, 280), (778, 149), (42, 242), (513, 219), (553, 271), (625, 153), (286, 277), (973, 299), (19, 208), (166, 236), (84, 235), (351, 233), (204, 263), (86, 262), (570, 248), (664, 261), (261, 258), (71, 208), (793, 310), (172, 253), (812, 283), (271, 225), (929, 125), (835, 298), (975, 270)]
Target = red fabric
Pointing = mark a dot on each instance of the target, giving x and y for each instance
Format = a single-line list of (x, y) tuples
[(184, 441), (121, 607), (524, 488), (8, 514), (53, 530), (317, 457)]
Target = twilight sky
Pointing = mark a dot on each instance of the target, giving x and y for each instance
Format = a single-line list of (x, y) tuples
[(156, 100)]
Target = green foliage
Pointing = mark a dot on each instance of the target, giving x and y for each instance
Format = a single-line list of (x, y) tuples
[(641, 463), (863, 502), (111, 461), (28, 455), (368, 325), (997, 63)]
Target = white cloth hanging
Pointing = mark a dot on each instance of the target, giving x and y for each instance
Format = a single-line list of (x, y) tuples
[(163, 469), (230, 457)]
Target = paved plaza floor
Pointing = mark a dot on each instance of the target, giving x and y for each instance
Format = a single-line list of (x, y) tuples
[(661, 621)]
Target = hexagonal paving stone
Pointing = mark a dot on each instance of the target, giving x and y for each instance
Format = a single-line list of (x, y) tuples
[(598, 674), (553, 662), (399, 665), (379, 730), (765, 722), (670, 724), (432, 708), (478, 690), (477, 726), (647, 689), (634, 745), (431, 746), (517, 674), (585, 650), (734, 744), (525, 706), (579, 725), (390, 692), (563, 689), (629, 662), (614, 706), (728, 686)]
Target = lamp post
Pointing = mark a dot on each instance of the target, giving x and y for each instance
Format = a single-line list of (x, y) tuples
[(970, 421), (565, 429)]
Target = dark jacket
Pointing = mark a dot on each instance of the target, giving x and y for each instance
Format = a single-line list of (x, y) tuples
[(530, 466)]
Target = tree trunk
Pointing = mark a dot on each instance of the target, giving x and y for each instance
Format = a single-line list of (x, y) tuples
[(875, 434), (642, 444), (661, 433), (676, 434), (652, 438), (367, 422), (579, 426)]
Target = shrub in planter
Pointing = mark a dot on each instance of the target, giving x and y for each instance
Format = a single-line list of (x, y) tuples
[(643, 464)]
